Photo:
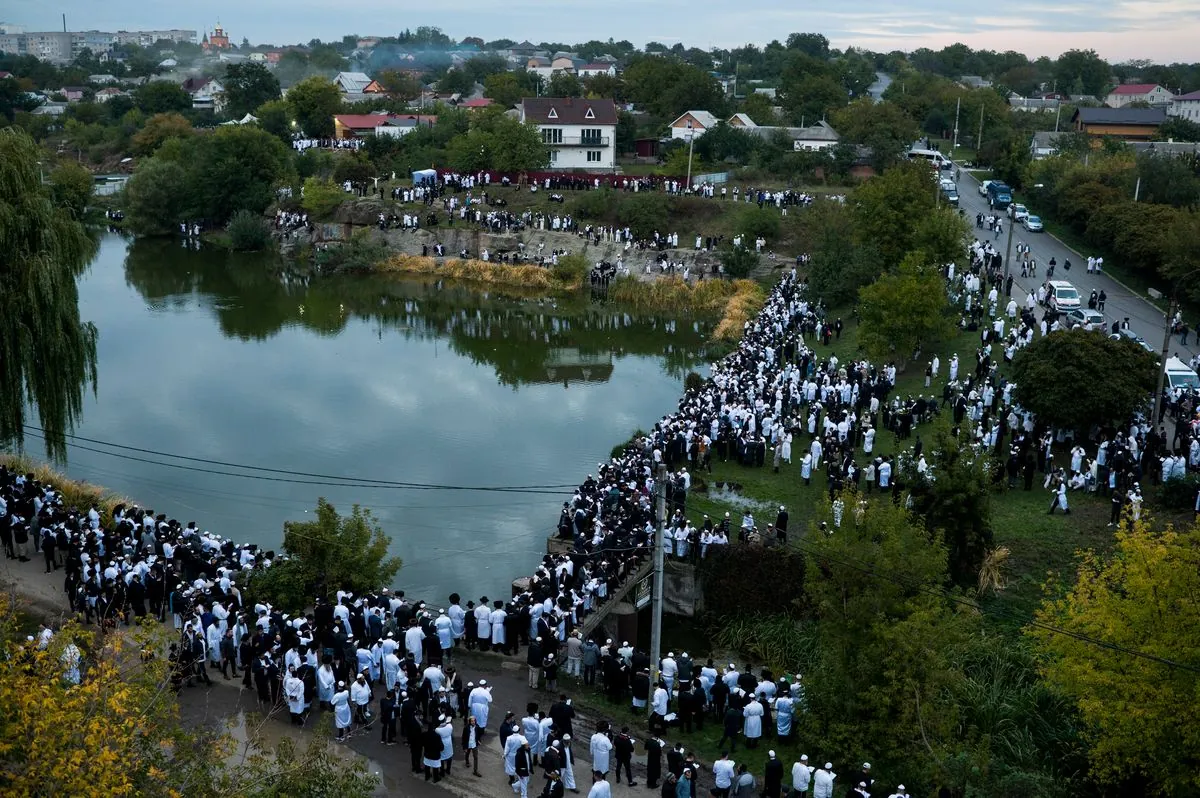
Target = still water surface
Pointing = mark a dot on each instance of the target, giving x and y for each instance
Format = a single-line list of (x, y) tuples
[(226, 357)]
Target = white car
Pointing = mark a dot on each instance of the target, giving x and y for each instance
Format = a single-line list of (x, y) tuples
[(1061, 295), (1018, 212), (983, 187)]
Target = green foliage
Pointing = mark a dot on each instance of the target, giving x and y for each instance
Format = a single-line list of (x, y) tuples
[(353, 167), (740, 579), (564, 84), (890, 208), (1138, 713), (571, 269), (362, 253), (778, 641), (235, 168), (727, 144), (158, 129), (156, 197), (314, 101), (644, 213), (1177, 128), (248, 232), (247, 86), (755, 221), (1073, 379), (275, 117), (883, 127), (499, 142), (400, 85), (47, 354), (692, 382), (838, 267), (883, 678), (71, 187), (321, 197), (667, 87), (1085, 70), (161, 97), (903, 313), (503, 88), (329, 552), (953, 498), (739, 262)]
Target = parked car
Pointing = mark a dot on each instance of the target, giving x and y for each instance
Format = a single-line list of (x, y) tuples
[(1086, 318), (1017, 212), (983, 187), (1061, 295), (952, 196), (1033, 224), (1126, 333)]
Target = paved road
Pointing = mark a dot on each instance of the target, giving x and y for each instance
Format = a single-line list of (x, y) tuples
[(1144, 318)]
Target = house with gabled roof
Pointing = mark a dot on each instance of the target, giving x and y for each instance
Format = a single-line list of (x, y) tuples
[(692, 123), (581, 133), (1186, 106), (1149, 93)]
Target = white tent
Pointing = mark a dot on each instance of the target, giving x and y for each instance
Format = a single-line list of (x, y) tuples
[(248, 119), (424, 176)]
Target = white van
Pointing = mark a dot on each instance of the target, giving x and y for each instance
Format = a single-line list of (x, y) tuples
[(1181, 376), (1061, 295)]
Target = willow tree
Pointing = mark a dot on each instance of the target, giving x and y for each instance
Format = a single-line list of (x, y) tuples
[(47, 355)]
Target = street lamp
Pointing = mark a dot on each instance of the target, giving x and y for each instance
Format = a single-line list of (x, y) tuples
[(1172, 306)]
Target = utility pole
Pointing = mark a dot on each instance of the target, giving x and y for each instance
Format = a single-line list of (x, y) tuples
[(691, 146), (979, 141), (1137, 189), (1162, 368), (660, 489), (1007, 253), (1057, 114), (957, 108)]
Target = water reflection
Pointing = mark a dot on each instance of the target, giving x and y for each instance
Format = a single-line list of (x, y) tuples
[(526, 340)]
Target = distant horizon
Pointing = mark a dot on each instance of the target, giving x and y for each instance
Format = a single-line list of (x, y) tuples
[(1163, 31)]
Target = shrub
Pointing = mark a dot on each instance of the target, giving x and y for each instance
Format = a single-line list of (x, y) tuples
[(247, 232), (692, 382), (570, 269), (321, 198), (745, 579), (755, 221), (739, 261), (362, 253), (1179, 493)]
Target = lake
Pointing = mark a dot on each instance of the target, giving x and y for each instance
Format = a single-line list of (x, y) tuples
[(233, 358)]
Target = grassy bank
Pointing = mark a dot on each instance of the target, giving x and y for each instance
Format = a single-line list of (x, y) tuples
[(81, 495), (533, 278), (734, 301)]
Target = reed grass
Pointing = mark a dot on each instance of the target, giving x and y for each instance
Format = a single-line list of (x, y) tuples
[(736, 301), (477, 271)]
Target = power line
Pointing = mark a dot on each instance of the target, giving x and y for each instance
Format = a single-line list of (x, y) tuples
[(548, 490), (366, 481)]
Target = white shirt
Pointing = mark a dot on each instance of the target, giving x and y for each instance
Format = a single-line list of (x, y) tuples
[(723, 773)]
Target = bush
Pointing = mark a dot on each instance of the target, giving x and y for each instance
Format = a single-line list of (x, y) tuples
[(362, 253), (321, 198), (692, 382), (570, 269), (755, 221), (745, 579), (739, 261), (1179, 493), (247, 232)]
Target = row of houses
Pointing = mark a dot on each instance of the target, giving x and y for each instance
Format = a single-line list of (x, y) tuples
[(1138, 127), (692, 124)]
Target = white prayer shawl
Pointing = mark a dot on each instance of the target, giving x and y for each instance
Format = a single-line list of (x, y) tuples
[(341, 708), (293, 689), (325, 683)]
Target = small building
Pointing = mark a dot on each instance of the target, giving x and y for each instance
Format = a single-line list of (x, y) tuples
[(740, 120), (257, 58), (357, 83), (73, 93), (356, 126), (598, 68), (581, 133), (102, 80), (1174, 149), (1019, 103), (539, 65), (647, 148), (974, 82), (107, 93), (813, 138), (1044, 144), (1133, 124), (475, 103), (207, 94), (1186, 106), (692, 123), (1149, 93)]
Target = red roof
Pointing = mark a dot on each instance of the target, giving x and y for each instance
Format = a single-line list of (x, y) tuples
[(4, 75), (359, 121), (1135, 88), (597, 67), (476, 102)]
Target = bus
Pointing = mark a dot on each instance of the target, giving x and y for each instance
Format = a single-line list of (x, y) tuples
[(932, 156)]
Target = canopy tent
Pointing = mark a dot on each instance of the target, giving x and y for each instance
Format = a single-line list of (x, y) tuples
[(422, 176)]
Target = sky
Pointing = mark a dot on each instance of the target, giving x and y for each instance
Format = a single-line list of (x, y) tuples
[(1119, 30)]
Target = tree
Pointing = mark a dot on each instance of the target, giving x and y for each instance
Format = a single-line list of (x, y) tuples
[(814, 45), (1181, 252), (739, 262), (160, 97), (235, 168), (903, 313), (156, 197), (247, 86), (314, 102), (47, 355), (503, 88), (755, 222), (401, 85), (953, 497), (838, 267), (1085, 70), (275, 117), (888, 208), (158, 129), (331, 551), (456, 81), (883, 127), (883, 671), (1073, 379), (564, 84), (13, 98), (321, 197), (71, 186), (1179, 129), (605, 86), (1139, 712)]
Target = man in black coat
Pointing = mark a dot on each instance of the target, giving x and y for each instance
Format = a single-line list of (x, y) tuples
[(623, 752), (773, 777), (562, 713), (654, 749), (388, 712)]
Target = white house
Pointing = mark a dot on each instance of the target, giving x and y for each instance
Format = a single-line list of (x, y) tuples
[(1149, 93), (539, 65), (818, 137), (693, 123), (206, 93), (352, 82), (582, 134), (1186, 106), (1044, 144), (600, 68)]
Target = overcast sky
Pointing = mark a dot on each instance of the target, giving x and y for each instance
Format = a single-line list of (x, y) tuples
[(1164, 30)]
